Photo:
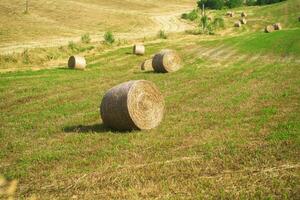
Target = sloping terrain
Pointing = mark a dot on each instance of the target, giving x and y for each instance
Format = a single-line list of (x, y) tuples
[(231, 127), (54, 23)]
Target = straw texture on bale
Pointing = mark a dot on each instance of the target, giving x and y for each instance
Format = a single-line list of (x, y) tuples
[(237, 24), (244, 14), (139, 49), (243, 21), (77, 62), (230, 14), (269, 29), (166, 61), (277, 26), (134, 105), (147, 65)]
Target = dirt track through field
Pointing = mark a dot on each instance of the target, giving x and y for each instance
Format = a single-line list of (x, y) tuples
[(169, 22)]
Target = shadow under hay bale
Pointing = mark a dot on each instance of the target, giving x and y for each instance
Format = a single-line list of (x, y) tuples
[(237, 24), (147, 65), (166, 61), (243, 14), (230, 14), (277, 26), (269, 29), (243, 21), (139, 49), (133, 105), (77, 62), (96, 128)]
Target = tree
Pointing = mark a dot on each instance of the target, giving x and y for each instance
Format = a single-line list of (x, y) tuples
[(234, 3), (27, 6), (212, 4)]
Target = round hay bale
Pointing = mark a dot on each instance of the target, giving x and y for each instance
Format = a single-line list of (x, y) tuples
[(277, 26), (237, 24), (139, 49), (166, 61), (77, 62), (230, 14), (269, 29), (147, 65), (134, 105), (243, 14), (243, 21)]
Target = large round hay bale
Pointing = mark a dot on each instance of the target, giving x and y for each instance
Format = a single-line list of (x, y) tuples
[(230, 14), (277, 26), (237, 24), (134, 105), (166, 61), (243, 21), (269, 29), (139, 49), (147, 65), (243, 14), (77, 62)]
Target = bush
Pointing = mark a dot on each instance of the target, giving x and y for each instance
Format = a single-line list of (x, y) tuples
[(218, 23), (162, 34), (109, 37), (234, 3), (72, 46), (212, 4), (26, 57), (191, 15), (86, 38)]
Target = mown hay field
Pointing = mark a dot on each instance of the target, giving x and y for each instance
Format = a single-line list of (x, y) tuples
[(230, 129), (72, 18)]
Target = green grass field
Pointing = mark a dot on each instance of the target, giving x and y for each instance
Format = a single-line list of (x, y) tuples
[(230, 131)]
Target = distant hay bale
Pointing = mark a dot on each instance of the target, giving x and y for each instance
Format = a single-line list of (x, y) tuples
[(77, 62), (237, 24), (243, 21), (147, 65), (134, 105), (139, 49), (166, 61), (230, 14), (243, 14), (277, 26), (269, 29)]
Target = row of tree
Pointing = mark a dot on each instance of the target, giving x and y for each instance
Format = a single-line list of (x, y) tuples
[(219, 4)]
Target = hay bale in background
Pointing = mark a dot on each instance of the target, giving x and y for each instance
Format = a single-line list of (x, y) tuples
[(134, 105), (77, 62), (139, 49), (237, 24), (243, 14), (230, 14), (243, 21), (166, 61), (269, 29), (277, 26), (147, 65)]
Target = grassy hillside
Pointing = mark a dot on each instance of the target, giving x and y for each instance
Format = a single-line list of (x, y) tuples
[(230, 131), (51, 19)]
